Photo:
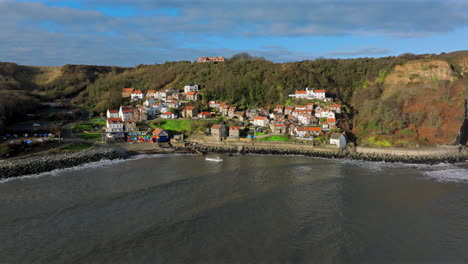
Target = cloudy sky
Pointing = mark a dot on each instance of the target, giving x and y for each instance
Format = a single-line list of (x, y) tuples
[(131, 32)]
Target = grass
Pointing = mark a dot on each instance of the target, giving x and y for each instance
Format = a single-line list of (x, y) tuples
[(283, 138), (76, 147), (373, 141), (407, 131), (179, 125), (90, 136), (82, 127), (260, 134), (98, 121)]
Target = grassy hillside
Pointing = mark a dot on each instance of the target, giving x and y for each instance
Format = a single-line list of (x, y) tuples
[(404, 100)]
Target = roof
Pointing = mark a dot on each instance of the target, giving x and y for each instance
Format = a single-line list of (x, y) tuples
[(317, 129), (137, 92), (301, 92), (127, 90), (335, 105), (319, 91), (168, 113), (233, 128), (336, 136), (279, 106), (205, 113), (114, 120), (113, 111), (260, 118), (191, 93), (278, 124), (232, 108), (289, 107), (331, 120), (152, 91), (216, 126), (157, 131), (189, 108)]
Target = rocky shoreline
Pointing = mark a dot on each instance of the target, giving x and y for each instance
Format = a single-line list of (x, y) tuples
[(60, 160)]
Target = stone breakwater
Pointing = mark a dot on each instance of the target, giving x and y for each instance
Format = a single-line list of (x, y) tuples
[(59, 160), (462, 156)]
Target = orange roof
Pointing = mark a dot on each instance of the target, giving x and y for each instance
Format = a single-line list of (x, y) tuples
[(152, 91), (232, 108), (335, 105), (189, 107), (114, 120), (289, 107), (319, 91), (301, 92), (137, 92), (233, 128), (331, 120), (317, 129), (157, 131), (168, 113), (216, 127), (127, 90), (191, 93), (205, 113), (113, 111), (278, 106), (260, 118)]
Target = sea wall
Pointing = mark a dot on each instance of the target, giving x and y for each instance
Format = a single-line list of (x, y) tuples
[(428, 156), (43, 163)]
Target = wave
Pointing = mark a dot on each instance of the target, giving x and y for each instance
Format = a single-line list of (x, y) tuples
[(454, 174), (97, 164)]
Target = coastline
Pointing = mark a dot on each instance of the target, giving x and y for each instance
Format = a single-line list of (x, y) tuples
[(43, 163)]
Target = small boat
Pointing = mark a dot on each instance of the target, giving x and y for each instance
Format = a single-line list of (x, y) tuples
[(217, 159)]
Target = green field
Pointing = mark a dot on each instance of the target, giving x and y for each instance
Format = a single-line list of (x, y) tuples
[(90, 136), (98, 121), (283, 138), (82, 127), (179, 125), (76, 147)]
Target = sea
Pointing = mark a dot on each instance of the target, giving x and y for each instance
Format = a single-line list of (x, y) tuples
[(245, 209)]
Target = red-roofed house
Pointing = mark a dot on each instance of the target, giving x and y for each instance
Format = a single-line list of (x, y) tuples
[(336, 108), (137, 95), (261, 121), (305, 132), (219, 131), (204, 115), (168, 115), (189, 112), (159, 135), (278, 128), (192, 96), (234, 132), (151, 94), (114, 128), (112, 113), (127, 92)]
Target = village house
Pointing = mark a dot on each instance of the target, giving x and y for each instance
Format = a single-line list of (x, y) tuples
[(288, 110), (310, 106), (204, 115), (224, 109), (148, 101), (189, 112), (240, 115), (112, 113), (336, 108), (127, 92), (231, 111), (301, 107), (159, 135), (325, 114), (278, 116), (211, 59), (234, 132), (309, 94), (338, 139), (161, 95), (278, 128), (130, 126), (192, 96), (126, 113), (263, 111), (251, 113), (190, 88), (325, 126), (173, 103), (331, 123), (261, 121), (214, 104), (151, 94), (219, 131), (168, 115), (278, 109), (114, 128), (137, 95), (306, 132)]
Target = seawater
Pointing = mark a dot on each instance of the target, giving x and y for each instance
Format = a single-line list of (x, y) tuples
[(246, 209)]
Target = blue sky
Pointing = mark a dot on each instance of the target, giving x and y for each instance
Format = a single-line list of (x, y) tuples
[(132, 32)]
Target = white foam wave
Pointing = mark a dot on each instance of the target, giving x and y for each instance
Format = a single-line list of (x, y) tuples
[(454, 174), (97, 164)]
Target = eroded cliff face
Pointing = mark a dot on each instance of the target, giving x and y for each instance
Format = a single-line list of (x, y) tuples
[(420, 71)]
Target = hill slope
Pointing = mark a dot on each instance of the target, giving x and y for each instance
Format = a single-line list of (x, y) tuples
[(405, 100)]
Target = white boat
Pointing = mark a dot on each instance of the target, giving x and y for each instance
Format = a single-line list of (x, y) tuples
[(217, 159)]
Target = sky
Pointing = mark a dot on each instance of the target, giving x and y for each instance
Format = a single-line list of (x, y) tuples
[(132, 32)]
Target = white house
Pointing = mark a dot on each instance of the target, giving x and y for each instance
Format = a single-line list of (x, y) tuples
[(304, 132), (168, 115), (112, 113), (309, 94), (148, 101), (261, 121), (114, 128), (338, 139), (190, 88), (137, 95), (125, 113)]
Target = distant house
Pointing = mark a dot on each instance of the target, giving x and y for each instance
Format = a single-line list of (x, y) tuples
[(112, 113), (251, 114), (137, 95), (309, 94), (261, 121), (189, 112), (304, 132), (240, 115), (310, 106), (278, 128), (168, 115), (224, 109), (338, 139), (288, 110), (214, 104), (159, 135), (336, 108), (127, 92), (211, 59), (231, 111), (190, 88), (192, 96), (234, 132), (114, 128), (204, 115), (126, 113), (130, 126), (151, 94), (219, 131), (278, 109), (160, 95)]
